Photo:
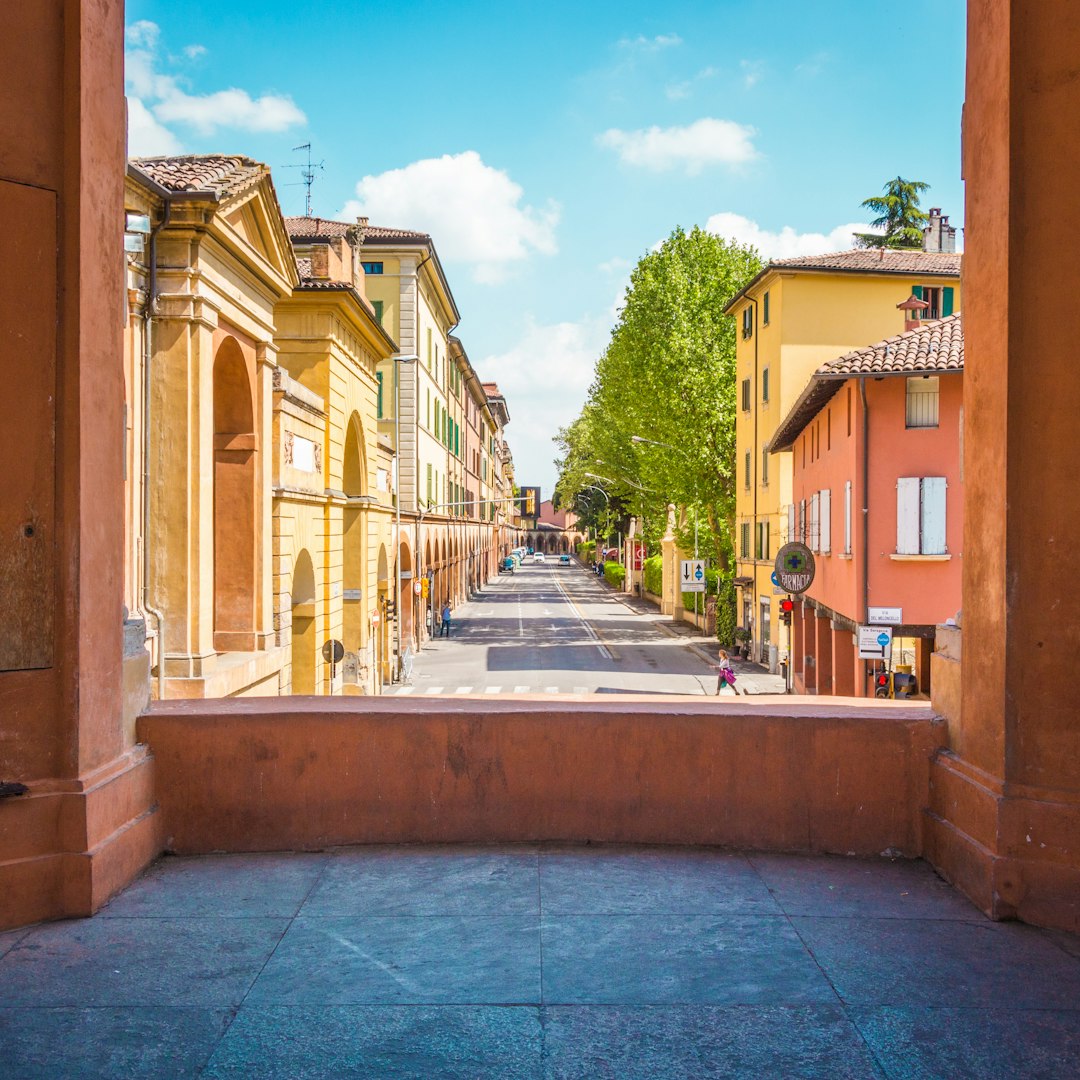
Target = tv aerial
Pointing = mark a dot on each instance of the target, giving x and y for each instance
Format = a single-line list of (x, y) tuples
[(308, 171)]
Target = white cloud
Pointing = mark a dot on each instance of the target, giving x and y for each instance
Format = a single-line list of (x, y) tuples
[(677, 91), (473, 211), (233, 108), (547, 372), (146, 137), (787, 243), (752, 72), (615, 265), (157, 99), (704, 142), (653, 44)]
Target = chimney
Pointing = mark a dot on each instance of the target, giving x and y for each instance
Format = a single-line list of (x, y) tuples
[(913, 308), (320, 262), (938, 234)]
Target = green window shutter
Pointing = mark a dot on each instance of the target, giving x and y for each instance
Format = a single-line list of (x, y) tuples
[(916, 291), (378, 375), (947, 301), (378, 306)]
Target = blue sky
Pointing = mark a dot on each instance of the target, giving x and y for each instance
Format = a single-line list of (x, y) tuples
[(546, 147)]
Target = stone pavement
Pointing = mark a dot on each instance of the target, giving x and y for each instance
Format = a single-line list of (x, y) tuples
[(549, 961)]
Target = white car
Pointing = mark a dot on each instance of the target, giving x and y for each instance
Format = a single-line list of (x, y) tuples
[(539, 557)]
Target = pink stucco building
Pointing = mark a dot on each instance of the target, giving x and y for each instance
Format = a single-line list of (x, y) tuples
[(877, 494)]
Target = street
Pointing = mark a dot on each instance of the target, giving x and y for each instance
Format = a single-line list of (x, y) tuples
[(551, 629)]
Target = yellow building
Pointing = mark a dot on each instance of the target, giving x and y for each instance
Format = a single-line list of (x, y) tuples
[(794, 316), (200, 364), (333, 506)]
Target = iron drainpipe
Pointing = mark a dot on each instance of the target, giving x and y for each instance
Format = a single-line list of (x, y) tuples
[(865, 505), (148, 320)]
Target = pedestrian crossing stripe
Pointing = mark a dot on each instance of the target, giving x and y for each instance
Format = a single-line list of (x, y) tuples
[(521, 689), (492, 689)]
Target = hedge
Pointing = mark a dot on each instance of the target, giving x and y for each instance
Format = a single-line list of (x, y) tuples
[(614, 574), (587, 551), (652, 574)]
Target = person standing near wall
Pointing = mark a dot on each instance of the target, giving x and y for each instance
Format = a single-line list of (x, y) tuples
[(445, 627)]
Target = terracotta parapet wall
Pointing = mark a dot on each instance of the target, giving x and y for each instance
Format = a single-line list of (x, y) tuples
[(306, 773)]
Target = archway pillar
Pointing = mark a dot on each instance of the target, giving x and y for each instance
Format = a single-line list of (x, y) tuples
[(1004, 815)]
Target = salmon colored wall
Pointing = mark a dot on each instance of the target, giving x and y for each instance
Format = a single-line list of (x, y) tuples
[(302, 774), (928, 591)]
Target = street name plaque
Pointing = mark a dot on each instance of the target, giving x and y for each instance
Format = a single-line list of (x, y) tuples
[(794, 568)]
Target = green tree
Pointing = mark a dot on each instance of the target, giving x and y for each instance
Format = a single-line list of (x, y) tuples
[(667, 375), (898, 215)]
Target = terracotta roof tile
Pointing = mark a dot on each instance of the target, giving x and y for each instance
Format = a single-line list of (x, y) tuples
[(217, 173), (931, 349), (305, 227), (380, 234), (875, 260), (303, 268)]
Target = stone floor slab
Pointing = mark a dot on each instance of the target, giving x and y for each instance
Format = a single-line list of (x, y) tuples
[(835, 886), (698, 1042), (990, 1044), (9, 939), (427, 881), (944, 963), (236, 886), (403, 1042), (628, 881), (389, 961), (699, 960), (107, 1043), (137, 962)]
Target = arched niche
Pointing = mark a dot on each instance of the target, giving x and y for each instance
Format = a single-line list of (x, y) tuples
[(304, 633), (236, 447)]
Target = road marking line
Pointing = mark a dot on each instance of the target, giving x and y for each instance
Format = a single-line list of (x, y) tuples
[(434, 690), (521, 689), (551, 689), (463, 690), (405, 689), (604, 651), (581, 690), (492, 689)]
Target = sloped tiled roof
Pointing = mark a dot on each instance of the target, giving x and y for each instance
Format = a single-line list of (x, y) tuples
[(935, 348), (307, 227), (861, 261), (380, 234), (219, 174), (303, 268)]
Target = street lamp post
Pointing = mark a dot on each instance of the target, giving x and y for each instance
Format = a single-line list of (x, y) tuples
[(398, 358)]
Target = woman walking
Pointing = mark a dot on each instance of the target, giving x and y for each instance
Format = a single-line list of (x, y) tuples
[(726, 677)]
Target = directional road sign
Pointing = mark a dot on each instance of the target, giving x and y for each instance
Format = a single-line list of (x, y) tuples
[(692, 575), (875, 642)]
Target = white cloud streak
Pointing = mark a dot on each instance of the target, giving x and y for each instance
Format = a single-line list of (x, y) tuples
[(473, 211), (786, 243), (704, 142), (653, 44)]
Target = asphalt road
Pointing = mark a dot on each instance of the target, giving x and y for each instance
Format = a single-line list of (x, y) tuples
[(551, 629)]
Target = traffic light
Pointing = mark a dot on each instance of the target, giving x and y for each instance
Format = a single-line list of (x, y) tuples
[(787, 606), (881, 685)]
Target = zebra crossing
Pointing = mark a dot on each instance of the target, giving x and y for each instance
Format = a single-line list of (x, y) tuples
[(432, 691)]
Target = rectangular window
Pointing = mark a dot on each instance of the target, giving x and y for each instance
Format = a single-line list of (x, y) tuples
[(377, 305), (429, 483), (920, 515), (746, 480), (802, 521), (847, 518), (765, 386), (746, 395), (744, 540), (748, 321), (765, 310), (815, 522), (761, 540), (825, 528), (429, 409), (378, 400), (765, 468), (923, 395), (429, 349), (372, 267)]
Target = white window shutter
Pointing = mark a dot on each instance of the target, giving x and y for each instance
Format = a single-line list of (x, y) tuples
[(815, 519), (791, 523), (826, 521), (847, 518), (907, 515), (933, 515)]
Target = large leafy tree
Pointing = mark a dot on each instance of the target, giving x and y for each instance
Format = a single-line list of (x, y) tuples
[(898, 216), (667, 375)]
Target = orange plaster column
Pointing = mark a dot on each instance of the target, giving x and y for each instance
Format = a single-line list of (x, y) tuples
[(824, 651), (809, 637), (798, 648), (86, 825), (843, 653), (1004, 818)]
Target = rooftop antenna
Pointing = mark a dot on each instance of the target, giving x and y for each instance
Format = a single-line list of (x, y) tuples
[(307, 171)]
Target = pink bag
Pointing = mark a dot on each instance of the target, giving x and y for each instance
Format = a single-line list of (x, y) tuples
[(729, 676)]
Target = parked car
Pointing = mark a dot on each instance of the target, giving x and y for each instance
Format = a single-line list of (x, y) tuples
[(564, 560), (508, 564), (539, 557)]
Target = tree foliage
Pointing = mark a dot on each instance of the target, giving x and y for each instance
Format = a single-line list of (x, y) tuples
[(898, 214), (667, 375)]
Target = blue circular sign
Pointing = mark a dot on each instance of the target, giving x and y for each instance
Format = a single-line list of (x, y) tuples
[(883, 639), (775, 579)]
